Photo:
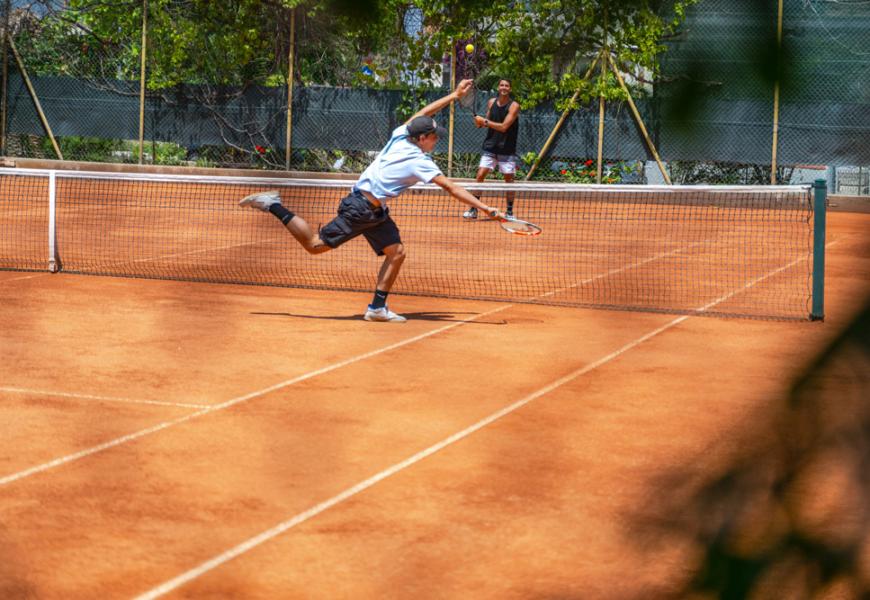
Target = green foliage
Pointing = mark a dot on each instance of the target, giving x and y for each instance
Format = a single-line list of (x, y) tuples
[(412, 101), (85, 148), (95, 149), (587, 172), (168, 153), (195, 42), (722, 173), (546, 47), (214, 50)]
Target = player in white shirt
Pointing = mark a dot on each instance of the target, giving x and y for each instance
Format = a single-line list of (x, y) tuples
[(403, 162)]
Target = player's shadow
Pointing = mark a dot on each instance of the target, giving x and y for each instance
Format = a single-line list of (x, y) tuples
[(454, 317)]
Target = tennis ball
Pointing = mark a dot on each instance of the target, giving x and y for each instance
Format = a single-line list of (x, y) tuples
[(469, 48)]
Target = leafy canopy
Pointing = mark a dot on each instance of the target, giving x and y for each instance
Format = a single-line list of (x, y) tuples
[(544, 46)]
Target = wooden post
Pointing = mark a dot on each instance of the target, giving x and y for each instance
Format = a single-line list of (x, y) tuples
[(34, 97), (639, 121), (604, 60), (776, 96), (4, 94), (452, 110), (561, 120), (142, 82), (291, 59)]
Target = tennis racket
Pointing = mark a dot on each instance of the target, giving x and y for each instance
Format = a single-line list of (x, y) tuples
[(517, 226), (469, 69), (467, 101)]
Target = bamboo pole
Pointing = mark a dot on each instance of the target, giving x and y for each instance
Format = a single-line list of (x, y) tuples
[(604, 60), (776, 96), (561, 120), (452, 111), (291, 59), (34, 97), (4, 93), (639, 121), (142, 82)]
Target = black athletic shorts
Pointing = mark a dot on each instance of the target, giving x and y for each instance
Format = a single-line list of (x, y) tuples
[(356, 215)]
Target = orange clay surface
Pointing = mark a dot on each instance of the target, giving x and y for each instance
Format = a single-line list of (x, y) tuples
[(220, 441)]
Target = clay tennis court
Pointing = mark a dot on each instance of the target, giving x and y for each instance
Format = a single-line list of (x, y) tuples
[(210, 440)]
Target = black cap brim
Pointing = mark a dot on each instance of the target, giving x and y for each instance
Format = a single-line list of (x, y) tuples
[(442, 133)]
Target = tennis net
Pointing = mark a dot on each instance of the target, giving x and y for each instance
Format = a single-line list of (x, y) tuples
[(744, 251)]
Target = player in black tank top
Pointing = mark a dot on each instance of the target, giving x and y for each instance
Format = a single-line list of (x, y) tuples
[(502, 122), (497, 142)]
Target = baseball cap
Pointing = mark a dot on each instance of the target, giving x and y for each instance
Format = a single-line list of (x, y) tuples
[(421, 125)]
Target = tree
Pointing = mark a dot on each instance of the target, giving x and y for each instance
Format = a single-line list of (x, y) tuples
[(546, 45), (206, 53), (543, 44)]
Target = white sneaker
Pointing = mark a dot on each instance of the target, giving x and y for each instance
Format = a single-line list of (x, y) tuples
[(383, 314), (261, 200), (471, 213)]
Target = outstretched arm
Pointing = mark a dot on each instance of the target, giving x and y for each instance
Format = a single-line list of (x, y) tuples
[(434, 108), (463, 195)]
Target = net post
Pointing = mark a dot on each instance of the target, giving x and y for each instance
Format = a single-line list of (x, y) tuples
[(820, 190), (53, 263)]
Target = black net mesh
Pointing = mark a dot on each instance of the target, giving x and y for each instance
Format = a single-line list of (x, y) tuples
[(683, 249)]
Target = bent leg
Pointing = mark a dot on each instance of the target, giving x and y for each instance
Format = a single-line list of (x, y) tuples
[(394, 256), (271, 202), (303, 233)]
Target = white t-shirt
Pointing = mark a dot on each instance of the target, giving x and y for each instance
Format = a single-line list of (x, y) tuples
[(397, 167)]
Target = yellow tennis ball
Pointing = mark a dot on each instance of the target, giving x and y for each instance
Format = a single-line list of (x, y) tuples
[(469, 48)]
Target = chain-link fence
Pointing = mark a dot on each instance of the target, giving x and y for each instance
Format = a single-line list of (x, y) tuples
[(730, 105), (727, 87)]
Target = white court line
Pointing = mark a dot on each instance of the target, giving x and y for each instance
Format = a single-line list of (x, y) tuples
[(188, 253), (166, 424), (15, 390), (363, 485), (621, 269), (277, 530), (34, 276)]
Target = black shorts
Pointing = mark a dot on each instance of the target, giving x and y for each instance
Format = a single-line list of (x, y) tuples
[(356, 215)]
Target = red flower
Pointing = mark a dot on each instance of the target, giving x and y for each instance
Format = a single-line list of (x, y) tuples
[(260, 149), (589, 162), (564, 172)]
